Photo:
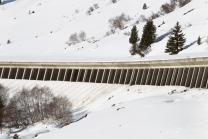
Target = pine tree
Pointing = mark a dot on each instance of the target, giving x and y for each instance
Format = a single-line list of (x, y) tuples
[(15, 136), (133, 39), (148, 36), (144, 6), (176, 40), (199, 41)]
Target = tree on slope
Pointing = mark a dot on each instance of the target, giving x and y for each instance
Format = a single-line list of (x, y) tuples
[(144, 6), (133, 39), (149, 35), (1, 111), (176, 40), (199, 40)]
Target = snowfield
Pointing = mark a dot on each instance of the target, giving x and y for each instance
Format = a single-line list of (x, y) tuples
[(124, 112), (42, 35), (38, 31)]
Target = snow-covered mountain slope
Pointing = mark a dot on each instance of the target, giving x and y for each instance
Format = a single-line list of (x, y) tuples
[(42, 35), (137, 112)]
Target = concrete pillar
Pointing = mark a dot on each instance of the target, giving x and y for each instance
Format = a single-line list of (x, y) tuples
[(80, 75), (88, 74), (111, 76), (184, 77), (144, 76), (9, 72), (55, 75), (44, 76), (68, 74), (5, 73), (117, 76), (123, 76), (41, 74), (20, 73), (199, 77), (105, 76), (31, 74), (134, 77), (179, 76), (23, 74), (13, 73), (61, 74), (164, 76), (159, 76), (65, 75), (194, 77), (16, 73), (149, 77), (75, 75), (85, 74), (51, 75), (58, 74), (120, 77), (188, 79), (27, 73), (128, 76), (169, 76), (94, 76), (99, 76), (204, 78), (139, 76), (174, 76), (154, 77), (37, 74), (1, 72)]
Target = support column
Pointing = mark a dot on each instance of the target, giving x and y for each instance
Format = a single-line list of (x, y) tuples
[(9, 72), (199, 77), (164, 77), (23, 73), (51, 75), (159, 77), (115, 77), (204, 78), (132, 77), (72, 75), (31, 74), (188, 79), (194, 76), (144, 76), (44, 74), (120, 77), (169, 77), (179, 76), (38, 74), (58, 75), (65, 75), (154, 77), (149, 77)]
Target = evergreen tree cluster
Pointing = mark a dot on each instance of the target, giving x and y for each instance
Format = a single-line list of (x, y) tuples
[(174, 45)]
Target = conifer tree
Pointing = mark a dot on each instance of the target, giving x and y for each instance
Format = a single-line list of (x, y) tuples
[(199, 41), (144, 6), (15, 136), (134, 38), (176, 40), (149, 34)]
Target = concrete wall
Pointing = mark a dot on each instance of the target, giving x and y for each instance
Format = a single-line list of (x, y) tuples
[(180, 72)]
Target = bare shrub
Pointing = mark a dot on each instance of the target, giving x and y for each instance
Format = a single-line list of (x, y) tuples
[(91, 9), (165, 8), (82, 36), (74, 38), (4, 94), (182, 3), (127, 33), (118, 21), (76, 11), (88, 12), (154, 15), (142, 18), (29, 106), (113, 1), (96, 6), (112, 31)]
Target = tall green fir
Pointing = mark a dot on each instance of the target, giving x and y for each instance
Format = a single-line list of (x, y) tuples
[(176, 40), (199, 40), (149, 34), (133, 39)]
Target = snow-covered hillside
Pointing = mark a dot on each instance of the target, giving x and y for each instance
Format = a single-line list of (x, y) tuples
[(42, 35), (123, 112)]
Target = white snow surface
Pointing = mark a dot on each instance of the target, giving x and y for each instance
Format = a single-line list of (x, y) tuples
[(123, 111), (42, 35)]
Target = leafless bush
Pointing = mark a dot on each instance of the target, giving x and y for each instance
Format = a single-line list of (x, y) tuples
[(82, 36), (168, 7), (30, 106), (113, 1), (118, 21), (88, 12), (182, 3), (112, 31), (4, 94), (96, 6), (142, 18), (74, 38), (154, 15), (76, 11), (91, 9)]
